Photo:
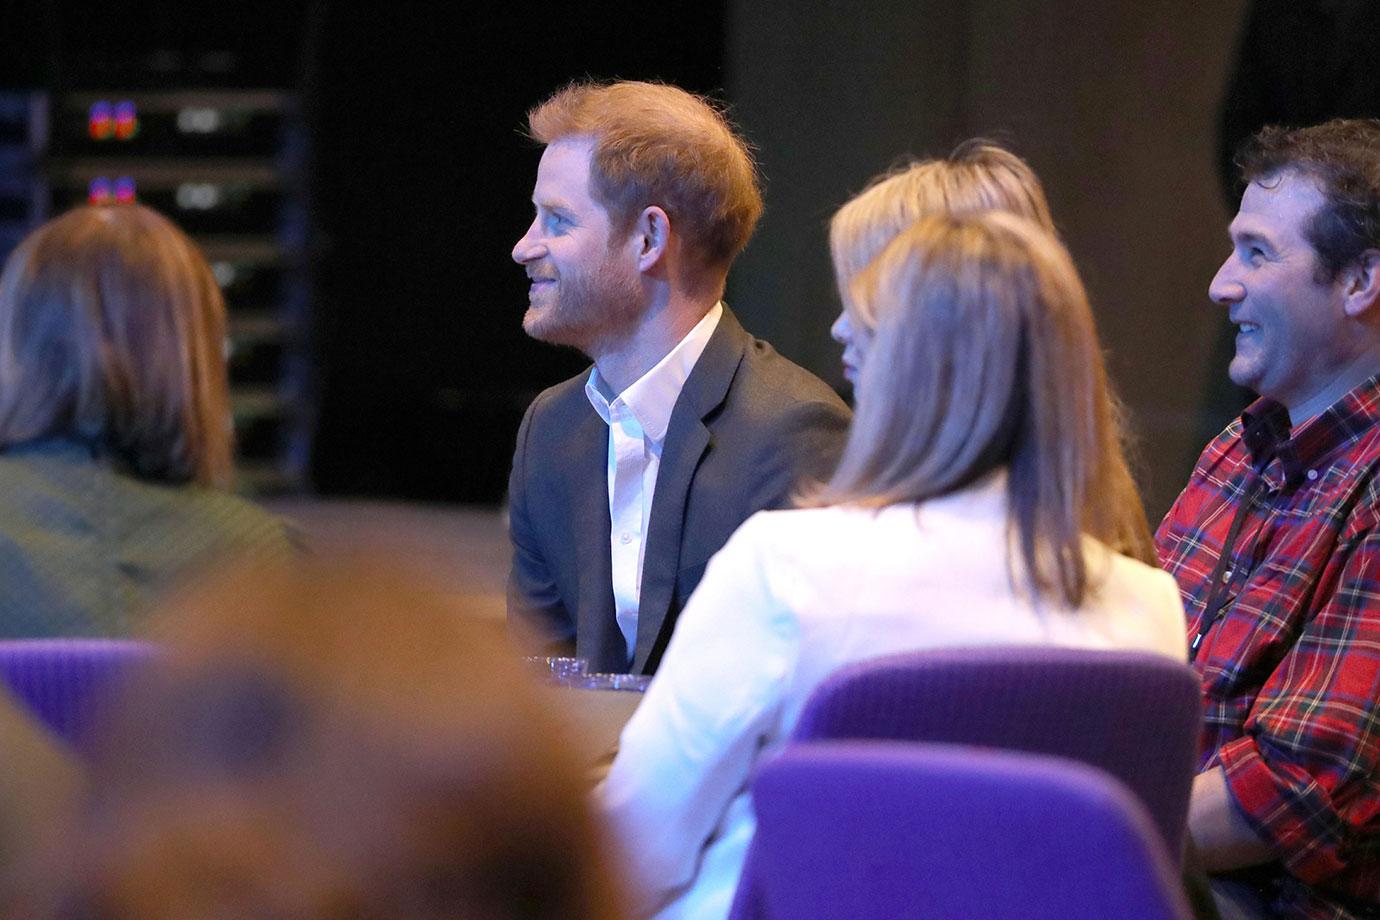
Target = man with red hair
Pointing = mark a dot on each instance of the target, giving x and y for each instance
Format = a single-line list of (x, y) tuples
[(627, 478)]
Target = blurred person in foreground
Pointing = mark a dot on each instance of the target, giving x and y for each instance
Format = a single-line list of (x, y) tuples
[(1275, 540), (978, 470), (979, 175), (115, 439), (334, 740), (628, 477)]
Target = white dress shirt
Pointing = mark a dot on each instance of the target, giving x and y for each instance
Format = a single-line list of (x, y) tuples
[(790, 598), (637, 420)]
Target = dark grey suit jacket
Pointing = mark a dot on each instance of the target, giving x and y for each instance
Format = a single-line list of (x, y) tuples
[(748, 425)]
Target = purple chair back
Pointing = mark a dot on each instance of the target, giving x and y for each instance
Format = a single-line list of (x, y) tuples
[(64, 682), (884, 830), (1135, 715)]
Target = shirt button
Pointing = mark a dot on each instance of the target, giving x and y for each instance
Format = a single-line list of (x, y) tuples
[(625, 539), (1226, 576), (1312, 474)]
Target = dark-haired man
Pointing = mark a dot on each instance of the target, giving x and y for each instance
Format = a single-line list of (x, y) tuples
[(627, 478), (1275, 542)]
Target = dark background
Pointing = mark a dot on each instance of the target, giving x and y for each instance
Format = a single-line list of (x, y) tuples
[(426, 367), (420, 186), (422, 177)]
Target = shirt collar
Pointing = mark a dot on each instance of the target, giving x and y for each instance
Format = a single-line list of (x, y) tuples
[(652, 397), (1265, 427)]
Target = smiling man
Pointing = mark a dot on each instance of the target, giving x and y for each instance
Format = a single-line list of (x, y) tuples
[(1275, 542), (628, 477)]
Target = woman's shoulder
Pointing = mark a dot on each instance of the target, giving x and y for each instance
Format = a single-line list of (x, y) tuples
[(811, 546), (1137, 594), (170, 521), (45, 457), (1121, 570), (232, 518), (830, 525)]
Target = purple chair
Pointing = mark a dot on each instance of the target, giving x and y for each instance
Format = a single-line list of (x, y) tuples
[(885, 830), (65, 681), (1135, 715)]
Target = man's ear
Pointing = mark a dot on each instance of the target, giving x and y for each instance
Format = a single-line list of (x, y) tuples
[(652, 231), (1361, 284)]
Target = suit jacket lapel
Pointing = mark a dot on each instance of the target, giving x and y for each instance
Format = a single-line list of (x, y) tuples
[(586, 453), (687, 439)]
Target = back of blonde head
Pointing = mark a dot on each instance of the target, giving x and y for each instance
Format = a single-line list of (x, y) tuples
[(977, 176), (112, 331), (986, 356)]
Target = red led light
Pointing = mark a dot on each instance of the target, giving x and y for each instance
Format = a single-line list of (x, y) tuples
[(98, 192), (100, 123), (126, 121), (124, 190)]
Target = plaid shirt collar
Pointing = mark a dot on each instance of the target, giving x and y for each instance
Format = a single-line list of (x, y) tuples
[(1287, 461)]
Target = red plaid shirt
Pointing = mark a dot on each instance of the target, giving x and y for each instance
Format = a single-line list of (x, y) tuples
[(1291, 666)]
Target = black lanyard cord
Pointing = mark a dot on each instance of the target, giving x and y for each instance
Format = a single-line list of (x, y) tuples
[(1221, 588)]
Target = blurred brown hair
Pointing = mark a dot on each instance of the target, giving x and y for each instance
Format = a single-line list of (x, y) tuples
[(341, 740), (112, 331)]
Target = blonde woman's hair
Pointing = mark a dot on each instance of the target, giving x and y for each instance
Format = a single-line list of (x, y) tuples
[(656, 144), (986, 356), (978, 176), (112, 331)]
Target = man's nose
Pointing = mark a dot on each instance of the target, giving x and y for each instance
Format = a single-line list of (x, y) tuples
[(1226, 287), (526, 249)]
